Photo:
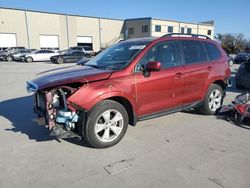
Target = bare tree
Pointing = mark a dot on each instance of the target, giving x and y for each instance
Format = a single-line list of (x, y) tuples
[(233, 43)]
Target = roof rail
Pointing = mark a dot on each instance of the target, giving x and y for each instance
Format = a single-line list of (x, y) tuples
[(184, 34)]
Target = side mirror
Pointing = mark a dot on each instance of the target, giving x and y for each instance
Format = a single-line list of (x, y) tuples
[(153, 66)]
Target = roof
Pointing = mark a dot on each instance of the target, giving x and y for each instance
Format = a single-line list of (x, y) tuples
[(209, 23), (64, 14)]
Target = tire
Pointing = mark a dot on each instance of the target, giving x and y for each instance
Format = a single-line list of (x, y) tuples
[(60, 60), (213, 100), (29, 59), (9, 58), (104, 135)]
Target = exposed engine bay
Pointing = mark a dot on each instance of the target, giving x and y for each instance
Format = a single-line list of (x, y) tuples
[(52, 106)]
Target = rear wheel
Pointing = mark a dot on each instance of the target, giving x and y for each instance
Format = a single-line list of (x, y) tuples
[(213, 100), (9, 58), (29, 59), (60, 60), (106, 124)]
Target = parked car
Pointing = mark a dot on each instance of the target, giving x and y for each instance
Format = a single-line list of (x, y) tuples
[(241, 57), (16, 54), (38, 55), (19, 53), (85, 49), (242, 77), (68, 57), (9, 50), (131, 81)]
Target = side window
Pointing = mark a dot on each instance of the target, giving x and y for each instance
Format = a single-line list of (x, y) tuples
[(167, 53), (76, 53), (193, 52), (213, 52)]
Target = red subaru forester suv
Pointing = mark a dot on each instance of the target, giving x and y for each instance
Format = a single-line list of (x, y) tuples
[(131, 81)]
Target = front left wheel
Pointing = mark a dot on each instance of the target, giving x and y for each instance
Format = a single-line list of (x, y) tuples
[(106, 124)]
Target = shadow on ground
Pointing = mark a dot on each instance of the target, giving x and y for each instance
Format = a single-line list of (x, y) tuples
[(19, 112)]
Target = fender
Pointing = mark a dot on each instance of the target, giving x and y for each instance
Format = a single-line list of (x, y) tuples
[(92, 93)]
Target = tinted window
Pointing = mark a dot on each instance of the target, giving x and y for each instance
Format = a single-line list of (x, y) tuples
[(76, 48), (48, 51), (158, 28), (182, 30), (76, 53), (189, 31), (167, 53), (131, 31), (170, 29), (87, 48), (193, 52), (212, 50), (145, 28)]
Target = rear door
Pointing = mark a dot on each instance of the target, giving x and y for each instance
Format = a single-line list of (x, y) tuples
[(162, 90), (47, 54), (196, 70)]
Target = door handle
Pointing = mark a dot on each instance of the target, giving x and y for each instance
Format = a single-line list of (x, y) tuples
[(179, 75), (209, 68)]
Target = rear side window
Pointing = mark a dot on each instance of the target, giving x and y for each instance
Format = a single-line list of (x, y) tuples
[(193, 52), (213, 51)]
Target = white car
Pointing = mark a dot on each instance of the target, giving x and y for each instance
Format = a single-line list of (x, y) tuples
[(39, 55)]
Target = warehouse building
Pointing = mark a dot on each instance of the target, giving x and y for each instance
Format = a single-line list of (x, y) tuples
[(41, 30)]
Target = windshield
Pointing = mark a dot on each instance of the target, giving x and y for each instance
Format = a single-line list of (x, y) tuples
[(118, 56)]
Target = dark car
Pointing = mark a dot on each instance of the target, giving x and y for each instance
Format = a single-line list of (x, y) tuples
[(133, 80), (68, 57), (241, 57), (85, 49), (242, 77)]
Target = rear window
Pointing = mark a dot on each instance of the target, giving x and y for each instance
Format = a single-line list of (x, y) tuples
[(213, 51), (193, 52)]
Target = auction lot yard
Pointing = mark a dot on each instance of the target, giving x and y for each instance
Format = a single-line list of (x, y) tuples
[(179, 150)]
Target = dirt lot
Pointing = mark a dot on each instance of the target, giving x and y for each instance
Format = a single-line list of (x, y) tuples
[(179, 150)]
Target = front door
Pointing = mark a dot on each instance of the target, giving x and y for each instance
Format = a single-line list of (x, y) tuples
[(162, 90)]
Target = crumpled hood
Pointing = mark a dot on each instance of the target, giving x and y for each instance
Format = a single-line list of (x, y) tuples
[(72, 74)]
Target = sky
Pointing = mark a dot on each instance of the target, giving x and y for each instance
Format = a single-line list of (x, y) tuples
[(230, 16)]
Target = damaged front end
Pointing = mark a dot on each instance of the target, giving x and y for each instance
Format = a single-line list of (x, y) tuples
[(54, 111)]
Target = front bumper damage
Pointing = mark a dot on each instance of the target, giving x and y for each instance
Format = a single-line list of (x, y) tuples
[(55, 113)]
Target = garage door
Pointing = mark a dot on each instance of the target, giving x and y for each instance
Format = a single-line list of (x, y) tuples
[(84, 41), (49, 41), (7, 40)]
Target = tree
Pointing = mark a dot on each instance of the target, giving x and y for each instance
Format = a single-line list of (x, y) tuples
[(233, 44)]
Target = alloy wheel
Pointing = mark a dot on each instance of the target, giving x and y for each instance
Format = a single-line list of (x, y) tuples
[(215, 100), (109, 125)]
